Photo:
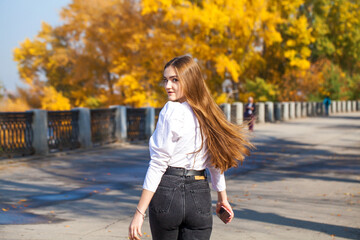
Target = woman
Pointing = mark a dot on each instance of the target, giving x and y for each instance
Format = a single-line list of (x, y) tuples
[(250, 113), (191, 134)]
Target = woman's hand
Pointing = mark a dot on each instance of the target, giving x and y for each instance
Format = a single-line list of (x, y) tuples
[(226, 205), (138, 219), (135, 226), (223, 202)]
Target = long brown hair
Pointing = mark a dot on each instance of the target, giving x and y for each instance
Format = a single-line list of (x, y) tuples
[(226, 143)]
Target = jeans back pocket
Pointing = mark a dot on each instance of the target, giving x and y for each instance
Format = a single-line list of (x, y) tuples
[(162, 199), (202, 200)]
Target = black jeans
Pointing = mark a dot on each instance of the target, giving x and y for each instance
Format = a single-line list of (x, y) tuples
[(181, 209)]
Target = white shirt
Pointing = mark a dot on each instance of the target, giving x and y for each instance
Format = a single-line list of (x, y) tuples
[(177, 136)]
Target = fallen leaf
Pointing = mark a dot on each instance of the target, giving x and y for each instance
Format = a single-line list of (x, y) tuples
[(67, 226), (107, 189), (95, 191), (339, 215), (5, 209), (109, 174)]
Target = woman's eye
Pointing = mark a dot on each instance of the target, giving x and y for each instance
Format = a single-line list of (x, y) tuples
[(175, 80)]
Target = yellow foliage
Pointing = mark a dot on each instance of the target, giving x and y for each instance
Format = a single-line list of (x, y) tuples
[(133, 91), (221, 98), (245, 96), (223, 63), (13, 105), (53, 100), (112, 51)]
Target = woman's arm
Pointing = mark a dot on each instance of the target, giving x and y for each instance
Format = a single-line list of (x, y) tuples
[(223, 201), (219, 185), (138, 219)]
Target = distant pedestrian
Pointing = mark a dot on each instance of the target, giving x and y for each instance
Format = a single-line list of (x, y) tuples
[(192, 134), (327, 102), (249, 114)]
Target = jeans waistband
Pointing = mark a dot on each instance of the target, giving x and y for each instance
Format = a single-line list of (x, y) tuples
[(184, 172)]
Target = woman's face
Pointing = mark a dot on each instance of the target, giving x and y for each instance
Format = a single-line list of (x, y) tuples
[(172, 85)]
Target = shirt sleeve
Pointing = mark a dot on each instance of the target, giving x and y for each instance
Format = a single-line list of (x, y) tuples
[(217, 178), (163, 142)]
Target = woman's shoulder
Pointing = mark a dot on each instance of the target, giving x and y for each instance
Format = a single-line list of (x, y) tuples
[(173, 110)]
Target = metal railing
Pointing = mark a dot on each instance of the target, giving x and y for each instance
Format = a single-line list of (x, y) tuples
[(103, 126), (157, 113), (16, 134), (267, 115), (136, 118), (63, 130)]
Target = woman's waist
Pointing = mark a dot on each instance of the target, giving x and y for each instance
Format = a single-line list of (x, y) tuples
[(198, 165), (179, 171)]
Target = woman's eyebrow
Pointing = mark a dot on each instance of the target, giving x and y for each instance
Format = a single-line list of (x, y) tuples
[(171, 77)]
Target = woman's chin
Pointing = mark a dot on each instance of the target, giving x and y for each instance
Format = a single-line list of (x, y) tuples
[(171, 98)]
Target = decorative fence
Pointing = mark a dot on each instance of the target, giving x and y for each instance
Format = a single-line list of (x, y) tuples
[(16, 134), (136, 118), (63, 130), (41, 132), (267, 118), (103, 126), (157, 113)]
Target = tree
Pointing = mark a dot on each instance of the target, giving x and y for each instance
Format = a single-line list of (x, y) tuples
[(111, 52), (336, 27), (2, 91)]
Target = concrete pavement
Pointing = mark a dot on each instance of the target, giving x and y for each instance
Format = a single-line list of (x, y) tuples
[(302, 182)]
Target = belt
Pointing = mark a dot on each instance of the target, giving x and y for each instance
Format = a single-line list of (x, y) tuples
[(183, 172)]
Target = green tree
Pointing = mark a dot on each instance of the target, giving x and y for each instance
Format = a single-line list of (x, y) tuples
[(336, 27)]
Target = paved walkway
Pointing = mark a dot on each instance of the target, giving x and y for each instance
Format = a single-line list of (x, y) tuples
[(302, 182)]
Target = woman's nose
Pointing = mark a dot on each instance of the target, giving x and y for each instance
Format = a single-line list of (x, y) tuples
[(168, 85)]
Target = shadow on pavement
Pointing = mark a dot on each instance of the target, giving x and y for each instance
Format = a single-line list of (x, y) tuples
[(124, 168), (272, 218)]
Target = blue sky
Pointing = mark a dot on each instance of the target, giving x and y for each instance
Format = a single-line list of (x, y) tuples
[(20, 19)]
